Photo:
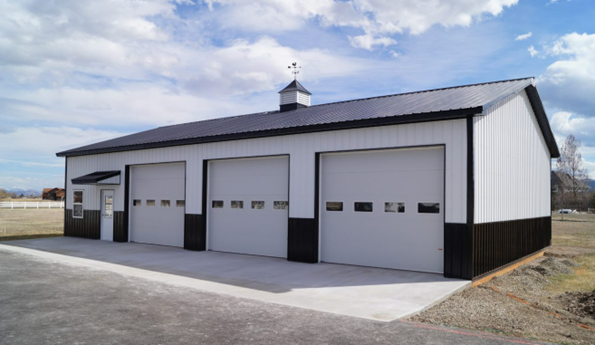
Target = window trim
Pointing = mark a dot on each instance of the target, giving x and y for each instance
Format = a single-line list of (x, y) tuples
[(78, 203)]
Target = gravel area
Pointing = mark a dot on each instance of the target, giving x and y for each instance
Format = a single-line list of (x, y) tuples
[(519, 304)]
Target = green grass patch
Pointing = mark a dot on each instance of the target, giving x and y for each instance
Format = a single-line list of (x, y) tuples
[(583, 278)]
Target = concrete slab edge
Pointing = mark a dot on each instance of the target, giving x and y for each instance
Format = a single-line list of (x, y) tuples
[(438, 301)]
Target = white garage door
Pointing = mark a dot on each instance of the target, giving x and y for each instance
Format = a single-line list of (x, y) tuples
[(157, 204), (248, 206), (383, 208)]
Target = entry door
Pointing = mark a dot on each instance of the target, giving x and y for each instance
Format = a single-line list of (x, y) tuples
[(384, 208), (248, 205), (107, 215)]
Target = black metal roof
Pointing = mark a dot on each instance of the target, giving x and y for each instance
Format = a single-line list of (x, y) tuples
[(295, 86), (429, 105)]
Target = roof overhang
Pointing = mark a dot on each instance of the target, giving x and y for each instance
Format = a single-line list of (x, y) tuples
[(99, 178)]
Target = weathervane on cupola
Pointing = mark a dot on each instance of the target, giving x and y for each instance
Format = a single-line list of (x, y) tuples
[(294, 95), (295, 70)]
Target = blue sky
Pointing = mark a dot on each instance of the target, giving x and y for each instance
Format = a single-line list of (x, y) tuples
[(75, 72)]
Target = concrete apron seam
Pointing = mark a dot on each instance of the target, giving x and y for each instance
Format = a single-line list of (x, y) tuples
[(175, 280)]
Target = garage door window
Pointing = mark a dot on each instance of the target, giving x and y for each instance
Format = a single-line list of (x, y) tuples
[(363, 207), (151, 203), (77, 204), (137, 202), (258, 205), (237, 204), (280, 205), (165, 203), (180, 203), (334, 206), (394, 207), (217, 203), (428, 207)]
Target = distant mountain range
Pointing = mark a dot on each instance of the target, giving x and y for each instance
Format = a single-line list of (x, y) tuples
[(27, 192)]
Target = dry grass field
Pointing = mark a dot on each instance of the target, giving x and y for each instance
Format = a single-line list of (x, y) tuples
[(20, 224)]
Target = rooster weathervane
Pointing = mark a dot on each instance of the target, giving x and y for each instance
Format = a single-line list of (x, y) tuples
[(295, 70)]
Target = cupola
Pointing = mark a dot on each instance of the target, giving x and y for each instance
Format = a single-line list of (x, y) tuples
[(294, 95)]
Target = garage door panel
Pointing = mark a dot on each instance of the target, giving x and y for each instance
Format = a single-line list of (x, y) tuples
[(360, 184), (408, 240), (248, 230), (157, 224)]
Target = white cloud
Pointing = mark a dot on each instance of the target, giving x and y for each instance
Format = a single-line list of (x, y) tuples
[(106, 63), (569, 83), (564, 123), (395, 54), (523, 36), (532, 51), (368, 41), (376, 18)]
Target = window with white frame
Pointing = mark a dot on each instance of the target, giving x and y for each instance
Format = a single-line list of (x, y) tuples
[(77, 204)]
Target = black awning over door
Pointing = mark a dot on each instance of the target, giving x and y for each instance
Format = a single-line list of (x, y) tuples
[(99, 177)]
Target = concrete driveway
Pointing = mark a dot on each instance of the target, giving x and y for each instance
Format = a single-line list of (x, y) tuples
[(45, 300), (370, 293)]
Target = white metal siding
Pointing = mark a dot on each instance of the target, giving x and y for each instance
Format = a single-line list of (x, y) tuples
[(302, 149), (512, 163)]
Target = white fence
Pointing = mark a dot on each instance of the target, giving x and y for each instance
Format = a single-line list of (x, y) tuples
[(32, 204)]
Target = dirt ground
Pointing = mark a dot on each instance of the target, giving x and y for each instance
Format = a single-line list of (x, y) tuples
[(21, 223), (550, 299)]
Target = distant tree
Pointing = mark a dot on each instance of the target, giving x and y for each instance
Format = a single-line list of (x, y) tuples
[(570, 164), (3, 194)]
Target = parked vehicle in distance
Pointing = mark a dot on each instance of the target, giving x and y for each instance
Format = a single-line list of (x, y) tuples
[(565, 210)]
